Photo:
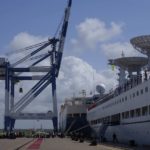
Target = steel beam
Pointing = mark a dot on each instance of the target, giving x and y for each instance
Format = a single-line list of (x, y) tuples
[(12, 93), (35, 87), (32, 54), (32, 97), (44, 57), (32, 69), (34, 77), (32, 116)]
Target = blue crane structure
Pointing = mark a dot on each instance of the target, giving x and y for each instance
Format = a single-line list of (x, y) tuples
[(11, 74)]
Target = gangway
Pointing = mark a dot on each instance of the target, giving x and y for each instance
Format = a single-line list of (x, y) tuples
[(11, 73)]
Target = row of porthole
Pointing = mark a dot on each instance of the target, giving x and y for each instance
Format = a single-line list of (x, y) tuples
[(125, 99), (138, 112), (144, 111)]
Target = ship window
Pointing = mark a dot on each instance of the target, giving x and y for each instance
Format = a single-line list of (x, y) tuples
[(126, 98), (133, 95), (137, 93), (122, 99), (138, 112), (144, 111), (141, 91), (149, 109), (126, 114), (104, 120), (76, 115), (115, 118), (123, 115), (108, 119), (69, 115), (100, 120), (132, 113), (95, 121), (146, 89), (83, 115)]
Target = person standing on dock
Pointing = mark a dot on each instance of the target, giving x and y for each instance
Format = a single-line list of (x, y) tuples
[(145, 74), (115, 140)]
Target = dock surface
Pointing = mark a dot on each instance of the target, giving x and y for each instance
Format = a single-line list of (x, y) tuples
[(54, 144)]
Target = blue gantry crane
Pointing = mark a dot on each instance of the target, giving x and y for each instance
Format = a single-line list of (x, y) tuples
[(11, 73)]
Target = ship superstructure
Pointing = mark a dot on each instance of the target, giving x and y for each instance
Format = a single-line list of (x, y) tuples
[(72, 115), (125, 111)]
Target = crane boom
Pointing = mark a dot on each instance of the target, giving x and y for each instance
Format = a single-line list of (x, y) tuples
[(29, 55), (63, 36)]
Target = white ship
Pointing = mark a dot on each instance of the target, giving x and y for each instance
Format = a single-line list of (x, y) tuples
[(125, 111), (72, 115)]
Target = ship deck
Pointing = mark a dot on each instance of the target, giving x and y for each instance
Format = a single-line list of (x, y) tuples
[(58, 144)]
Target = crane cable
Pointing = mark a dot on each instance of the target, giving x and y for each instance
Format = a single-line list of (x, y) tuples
[(26, 48)]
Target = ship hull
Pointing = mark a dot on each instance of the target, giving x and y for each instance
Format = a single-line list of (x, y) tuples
[(127, 115), (137, 132), (77, 124)]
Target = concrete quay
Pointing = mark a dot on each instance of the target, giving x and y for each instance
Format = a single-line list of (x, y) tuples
[(58, 144)]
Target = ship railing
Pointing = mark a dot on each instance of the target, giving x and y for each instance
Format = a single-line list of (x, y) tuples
[(131, 83), (119, 89), (102, 100)]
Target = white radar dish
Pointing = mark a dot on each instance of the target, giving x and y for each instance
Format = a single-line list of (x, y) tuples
[(128, 62), (141, 43), (100, 89)]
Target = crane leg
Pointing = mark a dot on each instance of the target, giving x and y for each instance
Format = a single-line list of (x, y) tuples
[(12, 124), (55, 116), (6, 117), (6, 123)]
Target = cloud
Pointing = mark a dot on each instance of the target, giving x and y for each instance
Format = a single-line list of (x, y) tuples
[(25, 39), (79, 75), (94, 31), (114, 50)]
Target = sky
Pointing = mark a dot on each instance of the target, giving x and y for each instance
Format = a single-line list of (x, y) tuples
[(98, 30)]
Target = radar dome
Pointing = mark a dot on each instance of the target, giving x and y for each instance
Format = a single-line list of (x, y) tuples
[(100, 88)]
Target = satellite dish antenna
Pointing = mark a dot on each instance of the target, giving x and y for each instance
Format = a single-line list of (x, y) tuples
[(100, 89), (142, 44)]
